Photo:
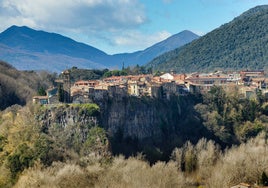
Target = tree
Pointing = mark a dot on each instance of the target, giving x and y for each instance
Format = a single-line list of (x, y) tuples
[(264, 179), (60, 93), (41, 91), (216, 98), (22, 158), (250, 110), (96, 142)]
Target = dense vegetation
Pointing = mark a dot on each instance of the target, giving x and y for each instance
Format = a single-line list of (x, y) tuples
[(86, 74), (80, 155), (26, 139), (231, 118), (31, 156), (38, 149), (95, 74), (18, 87), (242, 43)]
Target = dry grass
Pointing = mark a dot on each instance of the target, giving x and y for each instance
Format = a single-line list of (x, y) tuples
[(241, 164), (121, 173), (58, 175), (244, 163)]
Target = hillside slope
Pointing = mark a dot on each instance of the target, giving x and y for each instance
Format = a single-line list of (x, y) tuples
[(18, 87), (239, 44)]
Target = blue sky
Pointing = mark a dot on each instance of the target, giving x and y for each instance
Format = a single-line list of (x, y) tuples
[(118, 26)]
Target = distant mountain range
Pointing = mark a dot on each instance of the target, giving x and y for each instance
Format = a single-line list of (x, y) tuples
[(144, 56), (239, 44), (28, 49)]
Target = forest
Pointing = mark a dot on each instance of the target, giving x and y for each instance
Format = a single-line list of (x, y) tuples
[(18, 87), (35, 155), (239, 44)]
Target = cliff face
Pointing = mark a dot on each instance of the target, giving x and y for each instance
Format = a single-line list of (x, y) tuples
[(151, 126), (73, 121), (139, 118), (66, 116)]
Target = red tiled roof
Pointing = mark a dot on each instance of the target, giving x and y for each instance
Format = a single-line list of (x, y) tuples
[(40, 97)]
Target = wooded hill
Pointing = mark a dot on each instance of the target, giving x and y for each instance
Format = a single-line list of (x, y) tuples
[(239, 44), (18, 87)]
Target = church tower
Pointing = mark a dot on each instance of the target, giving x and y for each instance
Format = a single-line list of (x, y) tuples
[(67, 86)]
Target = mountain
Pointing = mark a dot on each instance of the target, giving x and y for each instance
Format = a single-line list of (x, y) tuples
[(26, 39), (28, 49), (171, 43), (239, 44)]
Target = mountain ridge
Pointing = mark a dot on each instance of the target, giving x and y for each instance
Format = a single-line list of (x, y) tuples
[(12, 38), (239, 44), (29, 49), (168, 44)]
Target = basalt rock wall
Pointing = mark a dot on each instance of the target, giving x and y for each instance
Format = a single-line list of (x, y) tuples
[(140, 118)]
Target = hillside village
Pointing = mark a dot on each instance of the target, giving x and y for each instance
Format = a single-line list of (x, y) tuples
[(162, 87)]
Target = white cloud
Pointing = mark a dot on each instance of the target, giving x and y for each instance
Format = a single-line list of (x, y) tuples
[(111, 24), (92, 14), (138, 40), (128, 41), (96, 20)]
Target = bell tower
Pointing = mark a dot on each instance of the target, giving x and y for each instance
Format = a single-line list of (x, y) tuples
[(67, 86)]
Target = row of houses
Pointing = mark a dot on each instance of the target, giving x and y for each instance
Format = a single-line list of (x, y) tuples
[(246, 82), (155, 86)]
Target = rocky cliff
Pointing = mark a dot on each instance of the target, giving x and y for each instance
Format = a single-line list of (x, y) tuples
[(139, 118), (152, 126), (71, 122)]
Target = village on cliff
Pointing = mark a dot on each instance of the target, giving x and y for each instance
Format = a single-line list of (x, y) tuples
[(247, 83)]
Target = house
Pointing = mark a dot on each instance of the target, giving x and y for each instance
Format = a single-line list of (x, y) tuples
[(156, 90), (233, 77), (247, 75), (117, 91), (79, 98), (248, 92), (242, 185), (179, 78), (50, 98), (169, 88), (133, 88), (52, 95), (252, 74), (203, 83), (167, 76), (40, 100), (86, 84), (260, 82), (115, 79)]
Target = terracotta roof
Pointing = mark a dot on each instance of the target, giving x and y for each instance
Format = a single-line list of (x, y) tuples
[(206, 77), (258, 79), (40, 97)]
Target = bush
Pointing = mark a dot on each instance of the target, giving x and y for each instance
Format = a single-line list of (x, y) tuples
[(22, 158)]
